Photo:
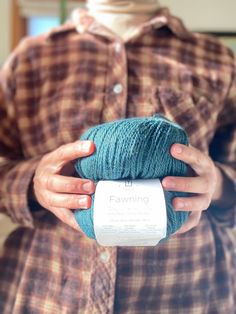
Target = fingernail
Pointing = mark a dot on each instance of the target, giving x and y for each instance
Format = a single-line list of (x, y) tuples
[(87, 186), (85, 146), (180, 205), (178, 149), (82, 201)]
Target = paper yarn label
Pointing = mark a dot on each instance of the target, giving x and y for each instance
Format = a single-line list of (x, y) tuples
[(129, 213)]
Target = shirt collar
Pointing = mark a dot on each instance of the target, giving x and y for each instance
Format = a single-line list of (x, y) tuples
[(84, 23)]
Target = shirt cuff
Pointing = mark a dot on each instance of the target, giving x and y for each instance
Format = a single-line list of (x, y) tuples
[(15, 188), (226, 217)]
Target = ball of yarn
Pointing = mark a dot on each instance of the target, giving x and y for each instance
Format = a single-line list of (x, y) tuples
[(133, 148)]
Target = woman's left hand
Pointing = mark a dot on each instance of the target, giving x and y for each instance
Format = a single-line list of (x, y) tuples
[(206, 184)]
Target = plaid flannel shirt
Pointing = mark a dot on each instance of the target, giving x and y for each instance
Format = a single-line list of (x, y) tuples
[(54, 87)]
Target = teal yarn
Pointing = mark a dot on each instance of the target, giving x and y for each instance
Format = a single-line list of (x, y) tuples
[(133, 148)]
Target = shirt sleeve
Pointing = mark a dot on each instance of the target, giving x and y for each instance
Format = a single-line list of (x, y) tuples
[(223, 152), (16, 171)]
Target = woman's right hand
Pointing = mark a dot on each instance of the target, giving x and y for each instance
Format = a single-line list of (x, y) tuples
[(56, 190)]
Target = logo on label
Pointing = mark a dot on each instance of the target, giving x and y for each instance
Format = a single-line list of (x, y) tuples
[(128, 183)]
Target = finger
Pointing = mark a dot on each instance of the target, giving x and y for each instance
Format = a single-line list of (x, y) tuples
[(62, 184), (194, 203), (191, 156), (192, 222), (71, 151), (70, 201), (66, 216), (200, 185)]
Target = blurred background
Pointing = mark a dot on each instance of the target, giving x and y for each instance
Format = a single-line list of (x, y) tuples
[(30, 17), (20, 18)]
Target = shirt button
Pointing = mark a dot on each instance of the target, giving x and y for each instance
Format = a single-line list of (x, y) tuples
[(104, 257), (117, 88), (117, 47)]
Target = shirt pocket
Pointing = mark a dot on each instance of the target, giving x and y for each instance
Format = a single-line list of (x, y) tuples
[(197, 116)]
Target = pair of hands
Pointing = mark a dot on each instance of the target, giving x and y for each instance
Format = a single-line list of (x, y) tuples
[(56, 190)]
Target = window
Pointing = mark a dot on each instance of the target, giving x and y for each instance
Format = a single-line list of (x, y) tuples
[(40, 24)]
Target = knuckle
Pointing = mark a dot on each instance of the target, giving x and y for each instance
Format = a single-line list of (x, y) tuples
[(198, 160), (50, 201), (41, 179), (186, 185), (40, 199), (188, 204), (208, 183), (49, 183), (190, 154), (44, 180), (205, 187), (36, 180)]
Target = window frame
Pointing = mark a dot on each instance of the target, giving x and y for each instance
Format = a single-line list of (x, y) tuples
[(22, 10)]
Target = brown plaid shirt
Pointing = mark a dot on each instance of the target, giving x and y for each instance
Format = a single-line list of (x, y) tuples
[(53, 88)]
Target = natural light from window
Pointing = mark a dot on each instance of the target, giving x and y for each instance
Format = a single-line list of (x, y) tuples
[(41, 24)]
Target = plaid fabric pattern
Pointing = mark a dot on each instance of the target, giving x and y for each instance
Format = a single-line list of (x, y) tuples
[(53, 88)]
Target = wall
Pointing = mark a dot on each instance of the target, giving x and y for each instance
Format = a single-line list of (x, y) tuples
[(5, 30), (212, 15), (5, 225)]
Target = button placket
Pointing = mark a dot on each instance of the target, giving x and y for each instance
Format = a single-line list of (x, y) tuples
[(117, 47), (118, 88), (103, 280), (116, 83), (104, 257)]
